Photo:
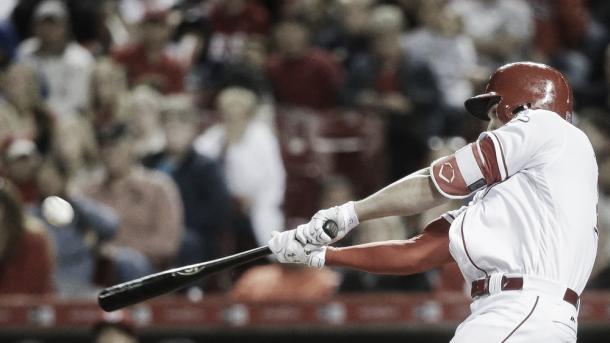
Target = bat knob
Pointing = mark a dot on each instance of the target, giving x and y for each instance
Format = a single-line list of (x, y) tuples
[(331, 228)]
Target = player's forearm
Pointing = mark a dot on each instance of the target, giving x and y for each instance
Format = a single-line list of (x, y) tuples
[(378, 258), (393, 257), (411, 195)]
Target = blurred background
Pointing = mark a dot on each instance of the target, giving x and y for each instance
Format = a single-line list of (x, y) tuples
[(137, 135)]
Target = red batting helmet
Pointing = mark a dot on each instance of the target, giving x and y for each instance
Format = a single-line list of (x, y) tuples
[(518, 85)]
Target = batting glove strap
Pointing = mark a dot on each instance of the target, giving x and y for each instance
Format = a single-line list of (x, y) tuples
[(347, 213)]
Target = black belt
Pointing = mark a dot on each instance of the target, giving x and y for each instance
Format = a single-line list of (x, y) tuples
[(481, 287)]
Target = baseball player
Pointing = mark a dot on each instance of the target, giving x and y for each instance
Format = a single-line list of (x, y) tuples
[(525, 243)]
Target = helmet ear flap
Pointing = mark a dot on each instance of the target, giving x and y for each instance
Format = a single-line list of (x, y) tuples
[(505, 114)]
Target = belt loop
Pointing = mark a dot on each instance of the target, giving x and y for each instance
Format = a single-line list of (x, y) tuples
[(495, 283)]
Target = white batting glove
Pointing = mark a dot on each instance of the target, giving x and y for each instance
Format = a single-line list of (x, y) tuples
[(288, 250), (312, 232)]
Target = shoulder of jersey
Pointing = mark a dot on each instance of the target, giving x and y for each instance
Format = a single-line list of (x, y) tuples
[(537, 115)]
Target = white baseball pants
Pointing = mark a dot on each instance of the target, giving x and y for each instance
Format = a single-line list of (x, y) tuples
[(519, 316)]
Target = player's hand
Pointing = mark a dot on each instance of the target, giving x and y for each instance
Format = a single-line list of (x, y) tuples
[(313, 233), (288, 250)]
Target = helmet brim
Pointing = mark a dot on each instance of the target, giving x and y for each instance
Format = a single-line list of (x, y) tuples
[(480, 104)]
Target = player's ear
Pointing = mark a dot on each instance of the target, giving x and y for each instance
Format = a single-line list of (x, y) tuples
[(494, 122)]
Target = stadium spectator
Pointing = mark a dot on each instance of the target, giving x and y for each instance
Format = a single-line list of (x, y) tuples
[(64, 66), (325, 20), (249, 153), (20, 164), (451, 54), (76, 239), (352, 34), (502, 30), (566, 38), (74, 143), (249, 72), (559, 25), (146, 201), (300, 75), (391, 82), (233, 22), (108, 93), (232, 47), (21, 89), (26, 260), (206, 199), (143, 110), (148, 60)]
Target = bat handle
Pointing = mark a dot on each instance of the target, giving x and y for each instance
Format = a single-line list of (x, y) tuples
[(331, 228)]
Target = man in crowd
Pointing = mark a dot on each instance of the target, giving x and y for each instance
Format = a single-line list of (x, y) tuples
[(147, 61), (302, 76), (64, 65), (147, 202), (207, 203)]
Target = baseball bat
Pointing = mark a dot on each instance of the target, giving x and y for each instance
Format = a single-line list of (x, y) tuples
[(150, 286)]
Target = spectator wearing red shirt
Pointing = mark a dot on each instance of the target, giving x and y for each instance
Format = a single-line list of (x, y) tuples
[(147, 61), (25, 256), (231, 23), (559, 24), (300, 75), (245, 16)]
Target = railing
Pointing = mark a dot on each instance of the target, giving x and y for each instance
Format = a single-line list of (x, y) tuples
[(218, 312)]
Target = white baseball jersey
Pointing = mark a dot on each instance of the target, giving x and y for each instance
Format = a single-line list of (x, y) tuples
[(534, 211)]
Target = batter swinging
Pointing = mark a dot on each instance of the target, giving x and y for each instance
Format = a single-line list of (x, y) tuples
[(527, 241)]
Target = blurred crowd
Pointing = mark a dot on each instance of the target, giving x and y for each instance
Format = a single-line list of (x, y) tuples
[(137, 135)]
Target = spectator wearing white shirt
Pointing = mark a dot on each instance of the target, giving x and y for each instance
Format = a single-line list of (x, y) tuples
[(502, 30), (63, 65), (249, 152), (451, 54)]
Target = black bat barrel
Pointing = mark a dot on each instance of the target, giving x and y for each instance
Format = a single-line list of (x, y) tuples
[(138, 290)]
